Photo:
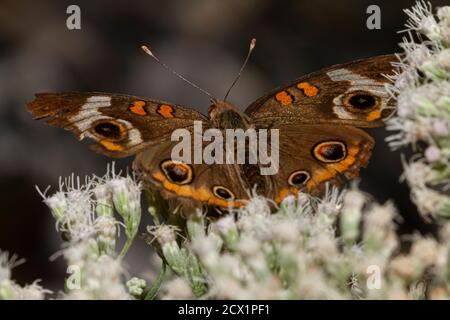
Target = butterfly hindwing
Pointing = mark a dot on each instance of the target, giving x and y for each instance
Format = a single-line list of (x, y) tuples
[(218, 185), (312, 155)]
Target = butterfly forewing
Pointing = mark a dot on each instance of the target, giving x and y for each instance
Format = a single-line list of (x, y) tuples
[(351, 94), (120, 125)]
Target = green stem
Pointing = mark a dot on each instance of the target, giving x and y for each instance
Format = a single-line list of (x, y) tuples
[(151, 293), (126, 247)]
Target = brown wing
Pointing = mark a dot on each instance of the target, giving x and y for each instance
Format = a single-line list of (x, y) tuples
[(350, 94), (218, 185), (311, 155), (120, 125)]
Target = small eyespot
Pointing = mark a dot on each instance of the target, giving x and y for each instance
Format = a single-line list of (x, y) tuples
[(330, 151), (109, 130), (177, 172), (361, 100), (223, 193), (298, 178)]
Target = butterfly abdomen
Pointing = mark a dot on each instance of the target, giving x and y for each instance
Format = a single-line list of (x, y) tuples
[(256, 182)]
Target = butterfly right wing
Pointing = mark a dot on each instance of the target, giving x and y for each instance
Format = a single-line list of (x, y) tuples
[(351, 94), (312, 155)]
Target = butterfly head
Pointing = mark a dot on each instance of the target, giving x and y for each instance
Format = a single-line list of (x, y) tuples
[(224, 115), (217, 107)]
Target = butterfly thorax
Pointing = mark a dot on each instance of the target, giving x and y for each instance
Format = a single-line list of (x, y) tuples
[(224, 115)]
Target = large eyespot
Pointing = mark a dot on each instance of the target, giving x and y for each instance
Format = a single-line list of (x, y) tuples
[(177, 172), (298, 178), (109, 130), (361, 101), (223, 193), (330, 151)]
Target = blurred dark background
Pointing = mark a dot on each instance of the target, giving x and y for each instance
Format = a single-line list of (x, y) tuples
[(205, 40)]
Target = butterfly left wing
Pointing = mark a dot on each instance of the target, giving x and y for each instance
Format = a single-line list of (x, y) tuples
[(347, 94), (190, 184), (120, 125)]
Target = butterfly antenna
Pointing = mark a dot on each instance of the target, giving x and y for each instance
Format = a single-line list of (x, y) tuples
[(165, 66), (250, 49)]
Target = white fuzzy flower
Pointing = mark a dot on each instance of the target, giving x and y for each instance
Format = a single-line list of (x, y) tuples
[(104, 205), (7, 263), (422, 20), (441, 128), (428, 201), (249, 246), (416, 53), (285, 230), (351, 214), (425, 250), (443, 59), (31, 292), (207, 248), (164, 234), (177, 289), (9, 289), (324, 245), (227, 228), (257, 205), (225, 224), (417, 173), (126, 194), (433, 154), (331, 203), (57, 204), (5, 268)]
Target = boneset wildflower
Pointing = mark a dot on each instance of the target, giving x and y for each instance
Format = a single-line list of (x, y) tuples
[(57, 204), (351, 215), (9, 289), (424, 108), (85, 212), (136, 286), (226, 227), (126, 194)]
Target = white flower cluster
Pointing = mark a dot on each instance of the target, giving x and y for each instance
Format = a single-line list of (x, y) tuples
[(9, 289), (84, 213), (340, 247), (422, 91)]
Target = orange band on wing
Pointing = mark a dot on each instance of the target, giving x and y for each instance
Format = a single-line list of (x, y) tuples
[(111, 146), (165, 111), (308, 89), (284, 98), (284, 193), (138, 108), (201, 194), (373, 115)]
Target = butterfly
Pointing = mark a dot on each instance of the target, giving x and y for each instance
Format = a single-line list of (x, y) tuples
[(318, 117)]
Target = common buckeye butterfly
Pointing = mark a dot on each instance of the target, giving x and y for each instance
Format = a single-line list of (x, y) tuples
[(318, 116)]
